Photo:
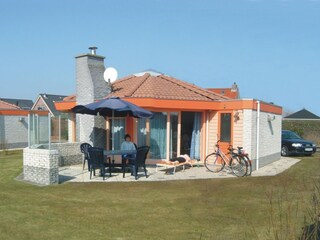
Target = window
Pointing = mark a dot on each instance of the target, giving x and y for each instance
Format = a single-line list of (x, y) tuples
[(225, 127), (142, 132), (119, 131)]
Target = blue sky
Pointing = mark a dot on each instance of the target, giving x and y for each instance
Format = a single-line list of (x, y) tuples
[(271, 48)]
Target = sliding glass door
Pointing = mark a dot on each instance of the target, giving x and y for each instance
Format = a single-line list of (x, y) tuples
[(195, 137), (158, 135), (170, 134), (119, 128)]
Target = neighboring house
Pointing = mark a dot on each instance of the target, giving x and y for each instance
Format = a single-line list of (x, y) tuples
[(187, 119), (6, 105), (20, 103), (59, 123), (302, 115), (45, 102), (232, 92), (305, 123), (14, 123)]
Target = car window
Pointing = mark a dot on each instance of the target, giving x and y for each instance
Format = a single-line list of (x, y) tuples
[(290, 135)]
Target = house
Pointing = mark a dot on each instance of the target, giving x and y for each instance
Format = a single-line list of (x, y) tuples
[(305, 123), (187, 119), (45, 102), (302, 115), (14, 119), (232, 92), (14, 123), (23, 104), (6, 105)]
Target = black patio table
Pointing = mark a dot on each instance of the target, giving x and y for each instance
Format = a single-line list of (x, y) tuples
[(113, 153)]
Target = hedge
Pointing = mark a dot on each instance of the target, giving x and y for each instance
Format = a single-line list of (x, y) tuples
[(308, 129)]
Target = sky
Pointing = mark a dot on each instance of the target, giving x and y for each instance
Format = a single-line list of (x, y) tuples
[(270, 48)]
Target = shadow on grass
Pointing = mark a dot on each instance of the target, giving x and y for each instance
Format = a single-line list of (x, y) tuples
[(292, 206)]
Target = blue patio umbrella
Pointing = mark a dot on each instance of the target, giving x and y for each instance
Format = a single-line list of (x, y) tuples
[(113, 107)]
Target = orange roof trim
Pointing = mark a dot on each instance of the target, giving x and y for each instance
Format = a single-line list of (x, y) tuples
[(19, 112)]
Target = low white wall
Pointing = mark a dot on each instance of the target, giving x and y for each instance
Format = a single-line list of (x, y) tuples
[(40, 166), (69, 153)]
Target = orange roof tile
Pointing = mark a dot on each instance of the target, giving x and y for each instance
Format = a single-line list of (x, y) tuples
[(160, 86)]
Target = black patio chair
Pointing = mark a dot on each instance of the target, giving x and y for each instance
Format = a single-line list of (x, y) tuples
[(140, 160), (97, 161), (84, 149)]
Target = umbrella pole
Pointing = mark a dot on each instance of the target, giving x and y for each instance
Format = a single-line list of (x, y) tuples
[(112, 137), (112, 130)]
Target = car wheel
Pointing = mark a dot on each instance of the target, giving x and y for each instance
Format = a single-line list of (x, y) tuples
[(284, 151), (308, 155)]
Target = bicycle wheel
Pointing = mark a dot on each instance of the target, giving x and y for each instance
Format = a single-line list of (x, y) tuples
[(239, 166), (214, 162), (249, 171)]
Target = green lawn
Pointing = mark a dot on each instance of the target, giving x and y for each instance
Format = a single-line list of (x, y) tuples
[(236, 208)]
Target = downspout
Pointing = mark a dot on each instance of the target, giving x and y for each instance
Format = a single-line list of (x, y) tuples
[(207, 132), (258, 136)]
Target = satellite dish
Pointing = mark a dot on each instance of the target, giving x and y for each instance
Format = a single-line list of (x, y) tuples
[(110, 75)]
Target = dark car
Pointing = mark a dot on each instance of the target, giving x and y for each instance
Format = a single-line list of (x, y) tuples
[(293, 144)]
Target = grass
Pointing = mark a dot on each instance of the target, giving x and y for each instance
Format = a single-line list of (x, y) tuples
[(197, 209)]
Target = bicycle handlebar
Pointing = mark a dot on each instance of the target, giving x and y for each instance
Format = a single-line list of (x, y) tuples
[(231, 149)]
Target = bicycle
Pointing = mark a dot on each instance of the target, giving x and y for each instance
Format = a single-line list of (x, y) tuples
[(217, 161), (242, 153), (245, 155)]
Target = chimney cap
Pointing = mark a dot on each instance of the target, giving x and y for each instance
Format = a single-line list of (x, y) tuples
[(92, 54), (93, 50)]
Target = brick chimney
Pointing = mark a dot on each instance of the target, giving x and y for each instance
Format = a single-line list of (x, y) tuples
[(235, 89), (90, 87)]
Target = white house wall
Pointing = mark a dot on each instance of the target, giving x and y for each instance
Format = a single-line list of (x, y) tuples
[(269, 137), (249, 132)]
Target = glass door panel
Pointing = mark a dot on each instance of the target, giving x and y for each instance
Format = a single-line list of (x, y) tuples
[(173, 134), (158, 135)]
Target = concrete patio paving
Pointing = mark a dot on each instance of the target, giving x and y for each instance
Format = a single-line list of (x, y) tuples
[(75, 173)]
